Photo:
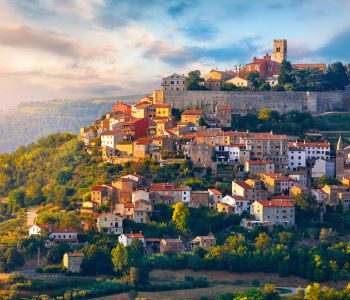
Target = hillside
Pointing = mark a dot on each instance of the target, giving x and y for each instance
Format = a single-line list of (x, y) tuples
[(31, 121)]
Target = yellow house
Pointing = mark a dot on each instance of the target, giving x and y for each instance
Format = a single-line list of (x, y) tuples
[(163, 110), (125, 147), (191, 116), (238, 81)]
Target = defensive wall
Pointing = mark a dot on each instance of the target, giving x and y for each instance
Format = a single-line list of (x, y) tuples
[(252, 101)]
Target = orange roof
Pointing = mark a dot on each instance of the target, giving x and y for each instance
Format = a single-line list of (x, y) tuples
[(278, 176), (99, 188), (129, 205), (313, 144), (275, 203), (65, 230), (135, 235), (134, 120), (160, 105), (215, 192), (167, 187), (143, 141), (192, 112), (309, 66)]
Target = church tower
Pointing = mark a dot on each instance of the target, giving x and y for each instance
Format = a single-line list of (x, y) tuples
[(279, 50), (339, 158)]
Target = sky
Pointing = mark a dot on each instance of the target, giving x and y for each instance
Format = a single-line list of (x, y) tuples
[(75, 49)]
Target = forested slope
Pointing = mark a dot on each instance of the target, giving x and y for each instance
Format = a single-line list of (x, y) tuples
[(31, 121)]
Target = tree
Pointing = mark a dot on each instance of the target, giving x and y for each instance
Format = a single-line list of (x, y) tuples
[(135, 253), (337, 76), (286, 73), (181, 216), (263, 241), (17, 199), (176, 113), (195, 184), (193, 81), (55, 254), (120, 258), (313, 292), (265, 113), (255, 79), (327, 235), (14, 258), (97, 260)]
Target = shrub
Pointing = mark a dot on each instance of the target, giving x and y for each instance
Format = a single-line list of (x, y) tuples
[(189, 278), (53, 269)]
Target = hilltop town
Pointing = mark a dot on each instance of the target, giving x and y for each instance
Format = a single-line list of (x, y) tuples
[(158, 185)]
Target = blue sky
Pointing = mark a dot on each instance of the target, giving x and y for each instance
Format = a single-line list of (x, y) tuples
[(73, 49)]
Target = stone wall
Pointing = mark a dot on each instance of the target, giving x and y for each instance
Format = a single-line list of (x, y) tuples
[(249, 101)]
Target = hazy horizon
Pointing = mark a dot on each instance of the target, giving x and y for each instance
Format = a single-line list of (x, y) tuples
[(54, 49)]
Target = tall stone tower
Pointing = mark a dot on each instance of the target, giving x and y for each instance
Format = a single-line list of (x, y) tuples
[(339, 158), (279, 50)]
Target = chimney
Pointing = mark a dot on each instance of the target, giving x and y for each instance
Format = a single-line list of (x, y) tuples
[(180, 237)]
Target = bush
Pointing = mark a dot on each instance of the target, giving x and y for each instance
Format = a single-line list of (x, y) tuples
[(189, 278), (16, 277), (53, 269)]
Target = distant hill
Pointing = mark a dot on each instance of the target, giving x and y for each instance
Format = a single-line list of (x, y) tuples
[(30, 121)]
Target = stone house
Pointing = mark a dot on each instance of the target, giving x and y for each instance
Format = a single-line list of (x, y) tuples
[(199, 198), (276, 212), (171, 245), (72, 261), (205, 242), (110, 223)]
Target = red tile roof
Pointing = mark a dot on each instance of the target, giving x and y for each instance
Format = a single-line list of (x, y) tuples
[(65, 230), (309, 66), (167, 187), (143, 141), (313, 144), (111, 133), (192, 112), (215, 192), (98, 188), (243, 184), (135, 235), (275, 203)]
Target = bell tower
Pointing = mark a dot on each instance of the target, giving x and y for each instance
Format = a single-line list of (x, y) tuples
[(339, 158), (279, 50)]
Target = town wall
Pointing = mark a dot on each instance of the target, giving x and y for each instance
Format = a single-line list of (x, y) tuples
[(252, 101)]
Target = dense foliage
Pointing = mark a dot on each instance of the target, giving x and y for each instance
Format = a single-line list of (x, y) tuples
[(335, 78), (293, 123)]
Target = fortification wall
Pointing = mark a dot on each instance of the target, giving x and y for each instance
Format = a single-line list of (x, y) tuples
[(249, 101)]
